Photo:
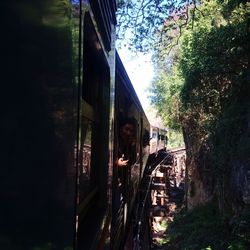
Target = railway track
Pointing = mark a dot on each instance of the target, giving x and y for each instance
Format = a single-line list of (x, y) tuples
[(162, 196), (167, 195)]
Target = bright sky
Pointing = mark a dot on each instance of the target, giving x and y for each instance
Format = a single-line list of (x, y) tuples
[(140, 72)]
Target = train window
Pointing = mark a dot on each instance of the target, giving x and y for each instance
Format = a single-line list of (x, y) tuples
[(85, 158), (154, 135), (94, 110), (95, 67), (161, 137), (93, 131)]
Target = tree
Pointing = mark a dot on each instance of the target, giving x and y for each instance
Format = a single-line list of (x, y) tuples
[(146, 23)]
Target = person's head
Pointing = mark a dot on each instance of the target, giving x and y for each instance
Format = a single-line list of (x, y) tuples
[(146, 138), (128, 130)]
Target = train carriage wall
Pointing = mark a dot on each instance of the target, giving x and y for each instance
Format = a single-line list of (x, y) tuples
[(42, 52)]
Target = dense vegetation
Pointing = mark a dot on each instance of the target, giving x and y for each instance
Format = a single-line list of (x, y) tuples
[(205, 228), (206, 91), (203, 85), (196, 79)]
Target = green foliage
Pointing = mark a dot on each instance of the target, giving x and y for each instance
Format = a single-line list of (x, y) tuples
[(145, 22), (203, 87), (198, 229), (197, 71), (204, 228), (211, 57), (175, 139), (215, 96), (165, 97)]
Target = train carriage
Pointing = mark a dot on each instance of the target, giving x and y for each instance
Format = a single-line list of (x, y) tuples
[(158, 138), (95, 121), (64, 94), (57, 79), (126, 180)]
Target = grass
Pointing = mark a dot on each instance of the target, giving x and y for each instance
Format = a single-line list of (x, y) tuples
[(204, 228)]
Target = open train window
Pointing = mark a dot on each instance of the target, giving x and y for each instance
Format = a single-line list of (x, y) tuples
[(94, 130), (94, 116), (85, 158), (95, 67)]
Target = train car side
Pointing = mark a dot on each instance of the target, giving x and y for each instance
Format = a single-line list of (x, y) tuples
[(127, 179), (57, 74), (65, 94), (158, 139), (95, 112)]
